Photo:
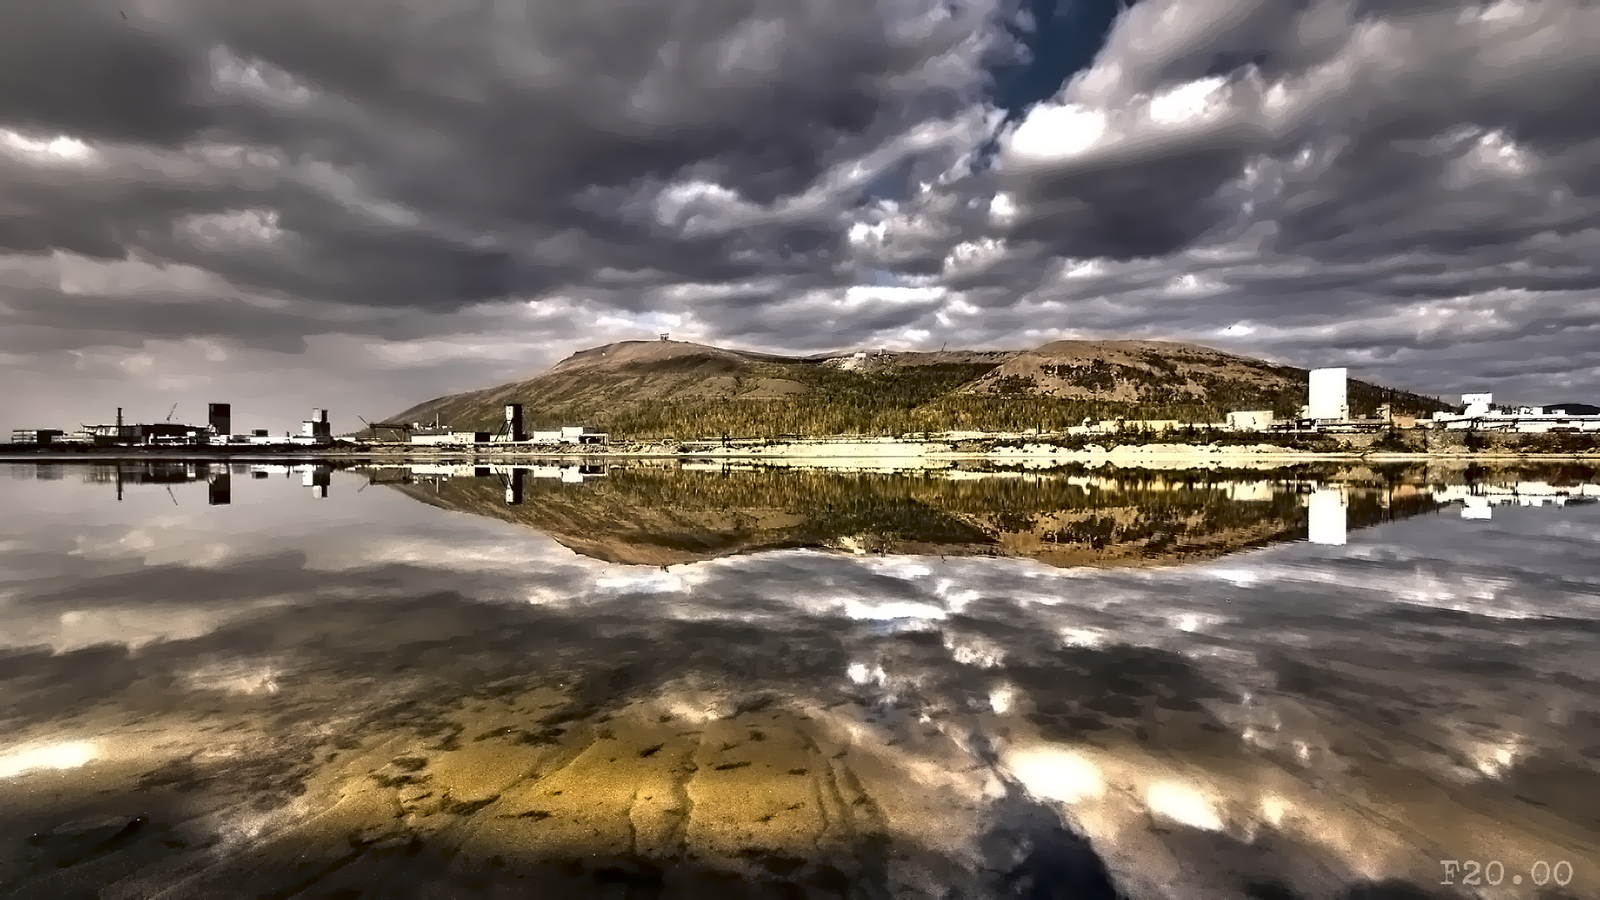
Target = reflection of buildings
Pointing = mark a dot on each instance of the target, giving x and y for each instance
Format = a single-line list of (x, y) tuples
[(513, 476), (669, 513), (218, 477), (318, 478), (1329, 509), (1478, 500)]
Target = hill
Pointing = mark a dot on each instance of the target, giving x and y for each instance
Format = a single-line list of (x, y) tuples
[(1574, 409), (677, 389)]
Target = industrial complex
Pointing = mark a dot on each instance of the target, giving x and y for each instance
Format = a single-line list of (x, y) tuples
[(1327, 410), (315, 431), (511, 432)]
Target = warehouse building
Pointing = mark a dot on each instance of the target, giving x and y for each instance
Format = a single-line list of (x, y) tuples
[(1479, 413)]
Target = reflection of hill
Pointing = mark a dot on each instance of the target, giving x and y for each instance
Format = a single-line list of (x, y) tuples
[(662, 516)]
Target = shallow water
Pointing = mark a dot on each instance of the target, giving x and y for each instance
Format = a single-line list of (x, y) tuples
[(659, 680)]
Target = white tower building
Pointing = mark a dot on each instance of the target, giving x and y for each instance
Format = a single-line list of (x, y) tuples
[(1329, 399)]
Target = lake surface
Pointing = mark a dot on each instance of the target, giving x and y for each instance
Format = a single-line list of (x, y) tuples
[(665, 680)]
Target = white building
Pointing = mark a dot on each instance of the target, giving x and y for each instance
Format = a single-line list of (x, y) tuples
[(1250, 420), (571, 434), (1329, 399), (1477, 404), (317, 429), (1479, 414), (445, 437)]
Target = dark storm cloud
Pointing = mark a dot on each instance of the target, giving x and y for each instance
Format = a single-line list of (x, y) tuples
[(483, 121), (1312, 181)]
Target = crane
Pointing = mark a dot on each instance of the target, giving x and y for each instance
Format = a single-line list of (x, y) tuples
[(174, 409)]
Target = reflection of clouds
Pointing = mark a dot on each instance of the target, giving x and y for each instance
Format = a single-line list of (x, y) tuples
[(974, 651), (1184, 804), (235, 677), (131, 626), (1054, 773), (1327, 668), (68, 755)]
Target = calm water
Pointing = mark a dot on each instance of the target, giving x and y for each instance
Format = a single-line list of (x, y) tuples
[(665, 681)]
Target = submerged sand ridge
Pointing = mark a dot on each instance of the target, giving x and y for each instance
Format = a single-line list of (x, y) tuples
[(529, 789), (524, 788)]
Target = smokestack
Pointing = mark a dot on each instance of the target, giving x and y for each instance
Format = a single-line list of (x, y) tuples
[(220, 417), (514, 430), (119, 421)]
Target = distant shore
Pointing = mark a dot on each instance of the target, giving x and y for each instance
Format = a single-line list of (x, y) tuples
[(879, 451)]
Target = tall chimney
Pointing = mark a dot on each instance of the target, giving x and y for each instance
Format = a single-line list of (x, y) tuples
[(119, 421), (514, 430)]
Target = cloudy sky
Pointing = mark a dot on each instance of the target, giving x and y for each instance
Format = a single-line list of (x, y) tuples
[(368, 203)]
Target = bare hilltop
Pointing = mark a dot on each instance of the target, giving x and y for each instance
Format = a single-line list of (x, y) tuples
[(677, 389)]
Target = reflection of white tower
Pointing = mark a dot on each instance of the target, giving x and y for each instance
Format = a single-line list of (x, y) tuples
[(1476, 506), (317, 481), (1329, 514)]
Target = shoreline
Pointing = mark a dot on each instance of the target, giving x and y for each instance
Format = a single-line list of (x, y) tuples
[(824, 452)]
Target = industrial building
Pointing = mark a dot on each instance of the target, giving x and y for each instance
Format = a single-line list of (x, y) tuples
[(35, 435), (217, 432), (444, 437), (1329, 398), (1251, 420), (512, 432), (1480, 414), (1328, 410), (572, 434)]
